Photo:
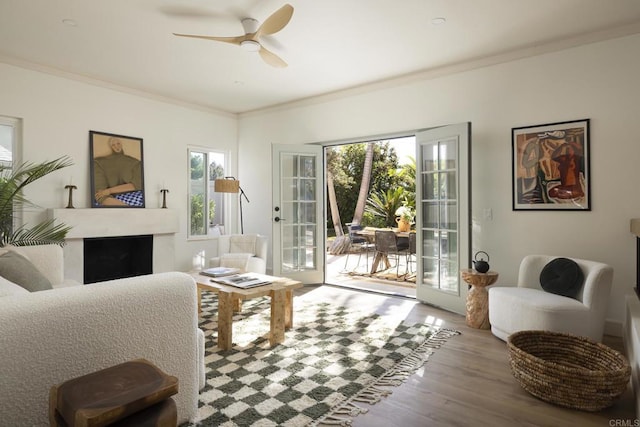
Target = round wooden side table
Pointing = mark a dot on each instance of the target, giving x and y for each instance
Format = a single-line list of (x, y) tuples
[(478, 297)]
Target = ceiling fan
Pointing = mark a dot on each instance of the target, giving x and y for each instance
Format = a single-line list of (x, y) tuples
[(250, 41)]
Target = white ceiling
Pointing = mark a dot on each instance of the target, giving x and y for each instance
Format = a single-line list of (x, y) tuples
[(330, 45)]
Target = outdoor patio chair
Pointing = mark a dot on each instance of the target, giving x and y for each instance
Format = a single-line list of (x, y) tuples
[(411, 253), (358, 244), (387, 247)]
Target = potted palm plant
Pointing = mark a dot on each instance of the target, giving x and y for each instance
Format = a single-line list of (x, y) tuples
[(13, 180)]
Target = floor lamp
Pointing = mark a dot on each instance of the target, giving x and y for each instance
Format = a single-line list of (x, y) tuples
[(230, 184)]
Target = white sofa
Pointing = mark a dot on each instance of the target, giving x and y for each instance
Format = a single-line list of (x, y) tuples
[(529, 307), (248, 252), (50, 336)]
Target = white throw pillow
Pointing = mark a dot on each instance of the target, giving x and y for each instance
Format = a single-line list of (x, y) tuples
[(239, 261), (8, 288), (243, 244)]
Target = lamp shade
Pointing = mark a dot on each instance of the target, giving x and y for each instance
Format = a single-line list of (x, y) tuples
[(226, 186)]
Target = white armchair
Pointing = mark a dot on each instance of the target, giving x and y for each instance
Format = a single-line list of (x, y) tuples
[(248, 252), (529, 307)]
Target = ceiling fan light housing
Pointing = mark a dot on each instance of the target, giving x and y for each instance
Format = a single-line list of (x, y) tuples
[(250, 45)]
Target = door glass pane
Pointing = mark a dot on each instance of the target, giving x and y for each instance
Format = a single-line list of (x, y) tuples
[(430, 244), (430, 215), (430, 272), (429, 157), (308, 166), (449, 276), (430, 186), (298, 184), (448, 215), (448, 153), (308, 213), (288, 238), (449, 245), (449, 185), (289, 212)]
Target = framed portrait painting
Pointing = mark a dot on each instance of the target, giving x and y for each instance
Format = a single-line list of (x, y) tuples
[(550, 166), (117, 174)]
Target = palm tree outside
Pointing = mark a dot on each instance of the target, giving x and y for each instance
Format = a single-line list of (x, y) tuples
[(367, 183)]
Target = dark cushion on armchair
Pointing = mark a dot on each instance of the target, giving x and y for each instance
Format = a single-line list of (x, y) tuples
[(562, 276)]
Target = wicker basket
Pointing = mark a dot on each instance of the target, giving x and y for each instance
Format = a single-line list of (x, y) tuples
[(567, 370)]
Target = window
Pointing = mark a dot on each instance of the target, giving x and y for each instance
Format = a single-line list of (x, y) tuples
[(8, 140), (206, 208), (9, 143)]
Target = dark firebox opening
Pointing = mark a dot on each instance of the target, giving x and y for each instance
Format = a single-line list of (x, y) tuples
[(108, 258)]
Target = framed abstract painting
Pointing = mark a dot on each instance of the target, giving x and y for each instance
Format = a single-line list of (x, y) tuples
[(550, 166), (117, 175)]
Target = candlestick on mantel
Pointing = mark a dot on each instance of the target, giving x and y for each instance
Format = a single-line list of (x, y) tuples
[(70, 188), (164, 192)]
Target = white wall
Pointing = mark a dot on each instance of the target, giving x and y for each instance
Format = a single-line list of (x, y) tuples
[(597, 81), (58, 114)]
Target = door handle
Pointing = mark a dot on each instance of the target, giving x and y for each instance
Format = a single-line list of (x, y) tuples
[(278, 219)]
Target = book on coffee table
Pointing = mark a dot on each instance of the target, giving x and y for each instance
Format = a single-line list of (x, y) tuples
[(244, 281), (220, 271)]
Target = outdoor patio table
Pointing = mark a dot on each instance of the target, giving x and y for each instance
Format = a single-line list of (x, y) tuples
[(370, 234)]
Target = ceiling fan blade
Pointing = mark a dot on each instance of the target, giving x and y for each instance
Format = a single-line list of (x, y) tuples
[(232, 40), (271, 58), (277, 21)]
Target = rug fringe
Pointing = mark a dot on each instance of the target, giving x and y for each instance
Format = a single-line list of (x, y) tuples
[(343, 413)]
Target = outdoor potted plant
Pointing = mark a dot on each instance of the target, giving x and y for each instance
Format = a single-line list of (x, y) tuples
[(405, 217), (13, 180)]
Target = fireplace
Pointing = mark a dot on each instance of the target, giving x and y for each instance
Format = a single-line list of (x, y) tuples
[(108, 258), (101, 224)]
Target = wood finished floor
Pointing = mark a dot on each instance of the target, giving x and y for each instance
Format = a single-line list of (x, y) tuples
[(467, 382)]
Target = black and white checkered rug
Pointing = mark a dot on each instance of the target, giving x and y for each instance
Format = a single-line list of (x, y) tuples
[(334, 362)]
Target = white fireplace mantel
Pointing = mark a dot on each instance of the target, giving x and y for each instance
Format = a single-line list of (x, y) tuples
[(111, 222), (115, 222)]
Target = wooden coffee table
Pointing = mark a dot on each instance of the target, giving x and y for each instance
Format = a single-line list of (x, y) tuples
[(230, 298)]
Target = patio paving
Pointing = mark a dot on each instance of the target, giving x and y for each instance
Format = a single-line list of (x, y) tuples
[(354, 275)]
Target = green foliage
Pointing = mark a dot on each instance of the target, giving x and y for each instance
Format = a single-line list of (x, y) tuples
[(384, 204), (216, 171), (12, 184), (197, 166), (405, 177), (197, 214), (371, 220), (346, 163)]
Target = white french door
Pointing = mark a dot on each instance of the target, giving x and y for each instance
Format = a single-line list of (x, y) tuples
[(443, 208), (298, 212)]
